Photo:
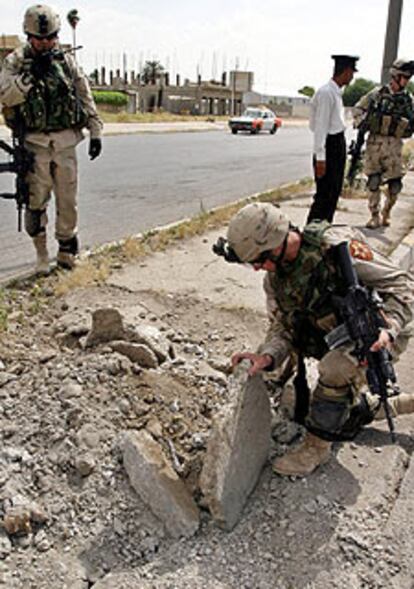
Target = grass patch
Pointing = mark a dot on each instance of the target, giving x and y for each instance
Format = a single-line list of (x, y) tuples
[(154, 117), (355, 192), (4, 311), (88, 272), (110, 97)]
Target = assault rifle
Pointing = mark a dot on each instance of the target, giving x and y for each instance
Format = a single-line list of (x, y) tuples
[(355, 151), (40, 63), (59, 53), (21, 162), (360, 310)]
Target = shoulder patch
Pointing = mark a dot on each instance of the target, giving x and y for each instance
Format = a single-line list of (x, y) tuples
[(360, 250)]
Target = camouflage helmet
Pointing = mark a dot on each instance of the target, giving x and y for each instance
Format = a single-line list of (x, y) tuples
[(402, 67), (256, 228), (41, 21)]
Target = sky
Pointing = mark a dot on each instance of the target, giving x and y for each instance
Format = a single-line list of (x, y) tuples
[(286, 43)]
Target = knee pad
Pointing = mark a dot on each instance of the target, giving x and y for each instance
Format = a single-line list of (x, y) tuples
[(340, 424), (69, 246), (33, 222), (374, 182), (327, 416), (395, 186)]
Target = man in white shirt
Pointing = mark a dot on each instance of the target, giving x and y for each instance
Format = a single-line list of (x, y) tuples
[(327, 122)]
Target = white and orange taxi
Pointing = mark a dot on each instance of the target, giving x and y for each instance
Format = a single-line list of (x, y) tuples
[(254, 120)]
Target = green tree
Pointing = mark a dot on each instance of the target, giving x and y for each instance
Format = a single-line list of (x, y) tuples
[(307, 91), (152, 71), (410, 87), (356, 90)]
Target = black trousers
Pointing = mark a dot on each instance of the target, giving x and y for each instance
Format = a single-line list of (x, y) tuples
[(329, 187)]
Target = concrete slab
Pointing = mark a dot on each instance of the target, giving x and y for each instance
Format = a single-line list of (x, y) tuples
[(158, 485), (238, 448)]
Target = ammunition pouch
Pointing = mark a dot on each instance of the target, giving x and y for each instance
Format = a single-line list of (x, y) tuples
[(52, 104), (391, 115)]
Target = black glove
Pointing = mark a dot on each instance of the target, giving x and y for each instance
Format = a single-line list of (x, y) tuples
[(41, 65), (95, 148)]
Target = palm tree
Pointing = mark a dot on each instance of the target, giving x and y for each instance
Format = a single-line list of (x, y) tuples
[(152, 71)]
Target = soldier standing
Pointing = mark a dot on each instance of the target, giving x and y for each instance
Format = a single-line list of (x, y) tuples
[(302, 284), (387, 114), (43, 89), (327, 122)]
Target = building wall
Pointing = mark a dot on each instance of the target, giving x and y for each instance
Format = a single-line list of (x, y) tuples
[(296, 106), (205, 98), (8, 43)]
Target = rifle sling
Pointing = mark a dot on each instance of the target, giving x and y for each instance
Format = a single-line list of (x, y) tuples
[(300, 382)]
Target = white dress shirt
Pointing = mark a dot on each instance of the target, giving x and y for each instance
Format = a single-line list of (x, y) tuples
[(327, 116)]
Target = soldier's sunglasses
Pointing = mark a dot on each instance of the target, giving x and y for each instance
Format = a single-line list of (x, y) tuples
[(45, 37), (269, 255), (261, 258)]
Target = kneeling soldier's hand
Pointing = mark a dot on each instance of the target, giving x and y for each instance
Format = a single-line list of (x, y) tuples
[(258, 361), (95, 148)]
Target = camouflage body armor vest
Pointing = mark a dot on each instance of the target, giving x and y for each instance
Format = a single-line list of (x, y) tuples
[(391, 114), (52, 103), (303, 291)]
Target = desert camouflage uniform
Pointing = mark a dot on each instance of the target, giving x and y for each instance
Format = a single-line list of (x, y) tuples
[(301, 313), (53, 144), (389, 118)]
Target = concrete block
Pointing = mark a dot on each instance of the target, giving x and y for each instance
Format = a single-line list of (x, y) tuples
[(158, 485), (137, 353), (152, 337), (106, 326), (237, 449)]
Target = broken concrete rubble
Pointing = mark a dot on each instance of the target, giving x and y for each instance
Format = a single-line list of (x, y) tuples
[(158, 485), (106, 326), (137, 353), (151, 337)]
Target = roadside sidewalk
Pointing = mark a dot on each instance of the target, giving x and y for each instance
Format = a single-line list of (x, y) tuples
[(202, 272), (172, 127)]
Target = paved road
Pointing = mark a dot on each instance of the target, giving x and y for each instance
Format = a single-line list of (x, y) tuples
[(142, 181)]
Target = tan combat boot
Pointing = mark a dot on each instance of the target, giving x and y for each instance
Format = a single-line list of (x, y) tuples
[(401, 404), (42, 255), (304, 459), (68, 249), (65, 260), (374, 222)]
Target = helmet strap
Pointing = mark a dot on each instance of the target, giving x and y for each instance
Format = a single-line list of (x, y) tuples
[(279, 258)]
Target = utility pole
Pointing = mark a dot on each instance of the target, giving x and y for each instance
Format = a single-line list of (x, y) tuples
[(391, 38)]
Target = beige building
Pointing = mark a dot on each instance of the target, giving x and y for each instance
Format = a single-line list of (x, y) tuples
[(8, 43), (293, 106), (202, 97)]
